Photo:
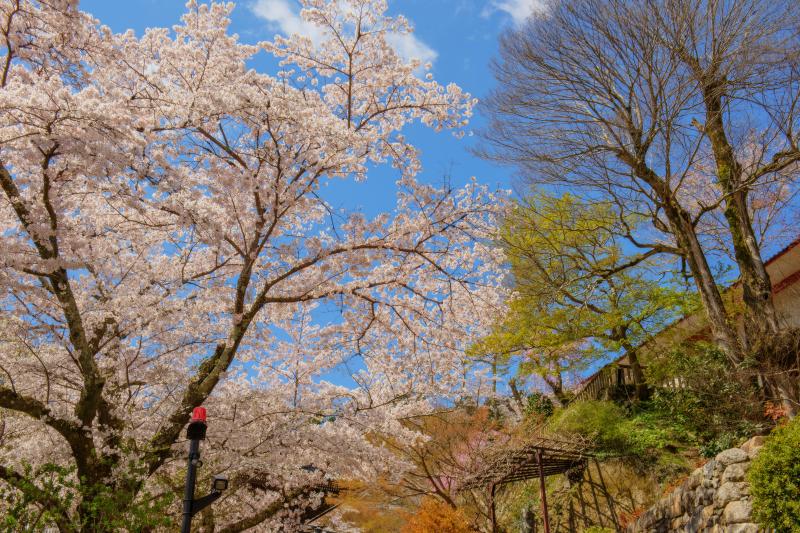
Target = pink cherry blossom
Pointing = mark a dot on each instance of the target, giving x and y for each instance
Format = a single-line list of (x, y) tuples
[(167, 243)]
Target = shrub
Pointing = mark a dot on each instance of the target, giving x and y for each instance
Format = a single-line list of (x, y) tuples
[(602, 422), (775, 480), (715, 406), (539, 406), (435, 515), (650, 439), (710, 448), (59, 486), (610, 427)]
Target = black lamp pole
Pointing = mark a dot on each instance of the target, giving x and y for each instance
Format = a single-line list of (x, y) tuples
[(191, 506)]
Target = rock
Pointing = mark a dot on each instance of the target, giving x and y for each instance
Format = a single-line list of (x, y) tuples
[(694, 520), (687, 499), (731, 491), (735, 472), (729, 457), (706, 496), (737, 512), (694, 479), (710, 470), (676, 524), (675, 505), (742, 528), (753, 445), (708, 515)]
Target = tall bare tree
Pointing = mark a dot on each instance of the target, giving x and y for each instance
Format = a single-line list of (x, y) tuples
[(742, 57), (672, 109)]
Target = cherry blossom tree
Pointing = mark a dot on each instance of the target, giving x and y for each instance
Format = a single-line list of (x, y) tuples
[(167, 242)]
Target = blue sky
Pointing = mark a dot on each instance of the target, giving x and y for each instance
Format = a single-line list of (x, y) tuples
[(459, 37)]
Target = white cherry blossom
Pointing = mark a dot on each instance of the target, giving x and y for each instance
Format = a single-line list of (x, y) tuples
[(167, 242)]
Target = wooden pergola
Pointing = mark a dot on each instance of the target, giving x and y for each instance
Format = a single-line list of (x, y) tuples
[(538, 457)]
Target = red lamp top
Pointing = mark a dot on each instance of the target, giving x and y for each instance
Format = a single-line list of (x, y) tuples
[(199, 414)]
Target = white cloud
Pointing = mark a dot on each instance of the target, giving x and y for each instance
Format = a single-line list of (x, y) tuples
[(409, 47), (284, 16), (519, 10)]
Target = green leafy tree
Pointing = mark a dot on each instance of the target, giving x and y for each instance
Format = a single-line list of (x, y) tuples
[(578, 296)]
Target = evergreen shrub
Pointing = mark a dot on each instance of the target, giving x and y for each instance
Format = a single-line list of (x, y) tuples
[(775, 480)]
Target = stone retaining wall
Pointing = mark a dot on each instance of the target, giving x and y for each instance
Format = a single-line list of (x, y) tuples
[(715, 498)]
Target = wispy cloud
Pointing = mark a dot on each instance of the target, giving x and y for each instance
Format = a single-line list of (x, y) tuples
[(410, 47), (284, 16), (519, 10)]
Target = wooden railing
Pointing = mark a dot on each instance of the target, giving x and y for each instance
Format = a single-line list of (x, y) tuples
[(607, 383)]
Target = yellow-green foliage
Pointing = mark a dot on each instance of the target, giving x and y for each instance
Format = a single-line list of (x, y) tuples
[(573, 300), (616, 432), (775, 480), (602, 422)]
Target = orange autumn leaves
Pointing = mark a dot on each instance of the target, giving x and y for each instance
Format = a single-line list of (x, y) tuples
[(434, 515)]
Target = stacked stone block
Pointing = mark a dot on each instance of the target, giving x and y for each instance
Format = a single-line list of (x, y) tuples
[(715, 498)]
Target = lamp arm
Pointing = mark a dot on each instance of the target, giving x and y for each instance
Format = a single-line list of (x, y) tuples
[(201, 503)]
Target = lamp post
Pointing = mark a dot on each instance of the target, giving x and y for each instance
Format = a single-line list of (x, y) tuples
[(191, 506)]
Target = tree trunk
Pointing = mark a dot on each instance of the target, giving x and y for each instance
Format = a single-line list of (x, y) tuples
[(642, 391), (556, 384), (761, 324), (494, 375), (683, 230), (721, 329), (723, 333), (760, 316), (516, 394), (787, 389)]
